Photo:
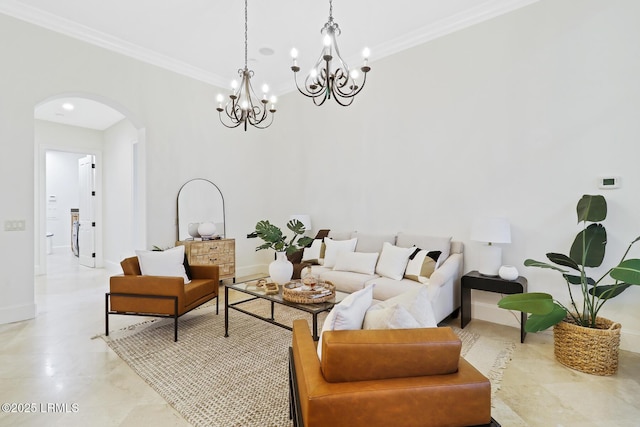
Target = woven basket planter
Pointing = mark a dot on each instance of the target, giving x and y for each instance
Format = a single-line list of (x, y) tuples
[(590, 350)]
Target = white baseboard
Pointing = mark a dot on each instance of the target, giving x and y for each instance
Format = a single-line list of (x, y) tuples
[(629, 339), (17, 313), (252, 269)]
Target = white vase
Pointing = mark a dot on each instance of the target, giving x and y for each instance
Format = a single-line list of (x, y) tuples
[(193, 229), (207, 230), (281, 270), (508, 272)]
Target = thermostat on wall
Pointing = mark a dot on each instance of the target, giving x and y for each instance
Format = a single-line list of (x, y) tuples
[(607, 182)]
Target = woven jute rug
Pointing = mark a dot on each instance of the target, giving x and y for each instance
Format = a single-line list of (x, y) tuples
[(241, 380)]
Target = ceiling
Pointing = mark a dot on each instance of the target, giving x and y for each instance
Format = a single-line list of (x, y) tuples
[(204, 39), (86, 113)]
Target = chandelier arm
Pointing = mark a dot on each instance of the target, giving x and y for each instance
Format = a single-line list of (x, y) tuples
[(341, 79), (310, 90), (260, 124), (308, 95), (320, 100), (295, 79), (355, 89), (226, 125), (235, 117)]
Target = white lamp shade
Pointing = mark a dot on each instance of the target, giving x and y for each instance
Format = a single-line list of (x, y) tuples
[(304, 219), (491, 230)]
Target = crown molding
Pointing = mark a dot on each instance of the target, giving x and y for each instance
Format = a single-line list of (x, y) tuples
[(480, 13), (484, 11), (73, 29)]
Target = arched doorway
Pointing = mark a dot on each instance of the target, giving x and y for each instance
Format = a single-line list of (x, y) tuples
[(87, 124)]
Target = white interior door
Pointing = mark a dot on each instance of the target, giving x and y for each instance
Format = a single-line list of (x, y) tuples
[(86, 232)]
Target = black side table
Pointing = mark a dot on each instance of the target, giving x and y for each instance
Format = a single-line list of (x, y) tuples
[(475, 280)]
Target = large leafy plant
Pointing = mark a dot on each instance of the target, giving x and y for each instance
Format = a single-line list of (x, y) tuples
[(276, 240), (587, 251)]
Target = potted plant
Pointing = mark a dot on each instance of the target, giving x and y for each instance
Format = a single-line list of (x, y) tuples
[(281, 270), (579, 325)]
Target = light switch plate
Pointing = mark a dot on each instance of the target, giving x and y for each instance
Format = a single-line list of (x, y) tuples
[(14, 225)]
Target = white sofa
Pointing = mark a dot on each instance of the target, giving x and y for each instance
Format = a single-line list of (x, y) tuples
[(443, 285)]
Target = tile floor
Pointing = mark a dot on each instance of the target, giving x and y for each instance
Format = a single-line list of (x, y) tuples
[(55, 362)]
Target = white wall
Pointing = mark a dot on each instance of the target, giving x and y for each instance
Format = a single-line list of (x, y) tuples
[(119, 240), (516, 116), (183, 140)]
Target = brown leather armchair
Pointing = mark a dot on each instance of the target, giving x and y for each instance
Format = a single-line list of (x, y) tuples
[(403, 377), (159, 296)]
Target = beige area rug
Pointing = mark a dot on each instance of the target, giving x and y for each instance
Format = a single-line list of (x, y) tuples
[(241, 380)]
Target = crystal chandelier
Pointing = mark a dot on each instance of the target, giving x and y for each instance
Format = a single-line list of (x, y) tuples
[(243, 106), (330, 76)]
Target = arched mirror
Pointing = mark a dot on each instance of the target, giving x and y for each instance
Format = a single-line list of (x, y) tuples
[(200, 200)]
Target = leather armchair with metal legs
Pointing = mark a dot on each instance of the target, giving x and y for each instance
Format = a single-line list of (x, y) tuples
[(159, 296)]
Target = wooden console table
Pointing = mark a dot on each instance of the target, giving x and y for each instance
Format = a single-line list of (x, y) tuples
[(475, 280), (221, 252)]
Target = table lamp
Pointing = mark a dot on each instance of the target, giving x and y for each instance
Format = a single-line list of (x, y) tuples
[(490, 231)]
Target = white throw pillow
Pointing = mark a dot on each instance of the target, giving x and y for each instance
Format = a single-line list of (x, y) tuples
[(335, 246), (417, 303), (169, 262), (348, 314), (358, 262), (393, 261), (312, 253), (395, 317)]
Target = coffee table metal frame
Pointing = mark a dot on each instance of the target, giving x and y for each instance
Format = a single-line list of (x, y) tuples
[(249, 288)]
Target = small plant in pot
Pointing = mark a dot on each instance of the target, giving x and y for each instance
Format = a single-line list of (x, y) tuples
[(281, 270), (581, 315)]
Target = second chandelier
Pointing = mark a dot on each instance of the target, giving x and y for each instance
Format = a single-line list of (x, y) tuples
[(330, 76)]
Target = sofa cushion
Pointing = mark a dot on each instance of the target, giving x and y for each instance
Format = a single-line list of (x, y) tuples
[(358, 262), (348, 314), (430, 243), (163, 263), (335, 246), (416, 301), (394, 317), (388, 288), (393, 261), (345, 281), (197, 289), (421, 265), (389, 354), (368, 242)]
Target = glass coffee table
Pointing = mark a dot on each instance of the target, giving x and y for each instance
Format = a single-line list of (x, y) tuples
[(249, 287)]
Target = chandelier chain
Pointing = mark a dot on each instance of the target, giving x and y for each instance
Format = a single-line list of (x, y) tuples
[(245, 34)]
